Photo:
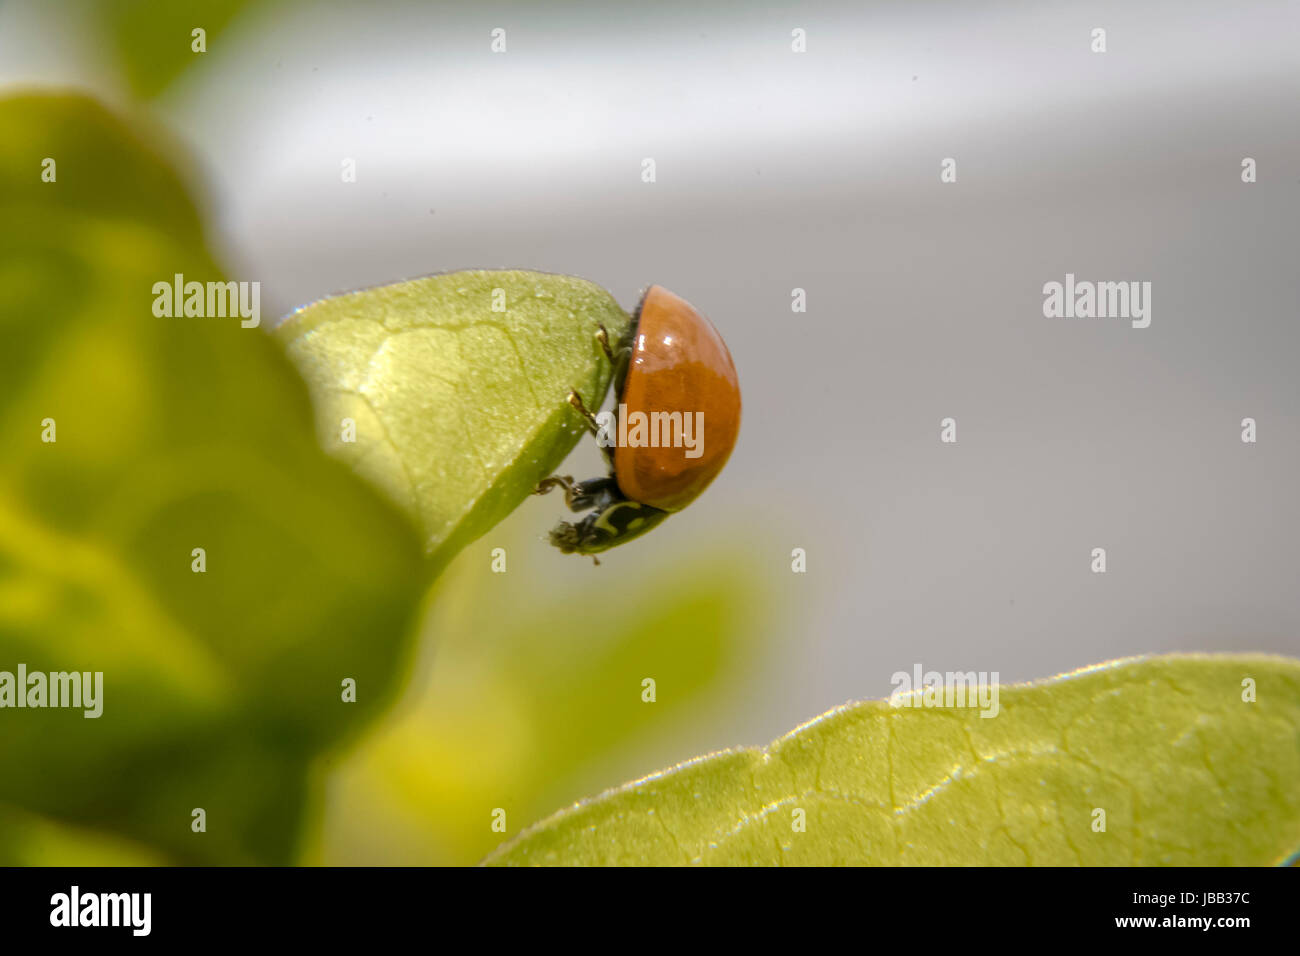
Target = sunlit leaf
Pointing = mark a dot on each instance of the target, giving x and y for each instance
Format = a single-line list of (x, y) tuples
[(1186, 769), (449, 392)]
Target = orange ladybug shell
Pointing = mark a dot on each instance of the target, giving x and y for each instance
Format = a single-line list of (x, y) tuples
[(679, 363)]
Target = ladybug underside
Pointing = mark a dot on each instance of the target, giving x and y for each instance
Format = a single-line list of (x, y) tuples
[(616, 518)]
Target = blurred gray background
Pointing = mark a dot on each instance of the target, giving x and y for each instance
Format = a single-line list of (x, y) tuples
[(820, 170)]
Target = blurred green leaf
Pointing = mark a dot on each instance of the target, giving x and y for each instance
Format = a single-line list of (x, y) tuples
[(172, 434), (27, 839), (154, 38), (1187, 772), (459, 409), (528, 712)]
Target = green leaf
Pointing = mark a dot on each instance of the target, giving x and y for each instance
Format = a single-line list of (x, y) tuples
[(29, 839), (154, 38), (459, 410), (1186, 771), (221, 688)]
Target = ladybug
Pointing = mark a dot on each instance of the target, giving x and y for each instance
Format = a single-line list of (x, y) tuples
[(675, 380)]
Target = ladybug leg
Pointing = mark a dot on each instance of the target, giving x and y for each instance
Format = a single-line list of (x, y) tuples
[(594, 427), (602, 336), (576, 401), (581, 496), (618, 355), (557, 481)]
